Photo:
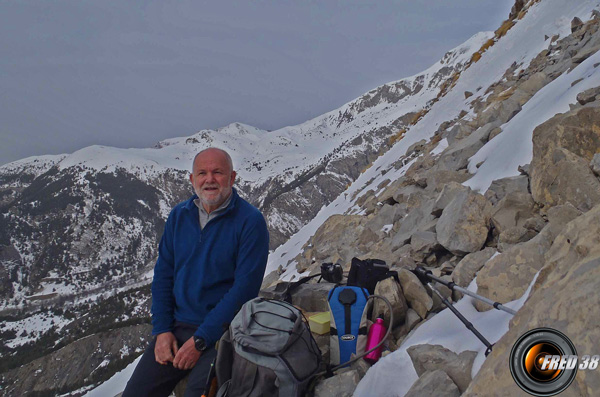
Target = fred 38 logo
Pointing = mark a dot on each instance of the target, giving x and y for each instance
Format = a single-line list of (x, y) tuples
[(544, 362)]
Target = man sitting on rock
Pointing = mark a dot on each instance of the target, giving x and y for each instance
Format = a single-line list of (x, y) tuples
[(211, 260)]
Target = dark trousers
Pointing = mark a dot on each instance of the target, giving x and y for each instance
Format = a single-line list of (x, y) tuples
[(151, 379)]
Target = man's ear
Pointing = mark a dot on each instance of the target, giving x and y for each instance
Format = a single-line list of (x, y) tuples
[(192, 179), (233, 175)]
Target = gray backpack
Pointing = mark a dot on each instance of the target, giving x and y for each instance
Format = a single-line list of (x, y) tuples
[(267, 351)]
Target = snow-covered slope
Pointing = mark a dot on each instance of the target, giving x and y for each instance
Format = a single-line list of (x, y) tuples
[(503, 154)]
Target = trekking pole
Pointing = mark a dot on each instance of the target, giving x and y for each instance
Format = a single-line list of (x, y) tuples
[(425, 276), (462, 318), (209, 390)]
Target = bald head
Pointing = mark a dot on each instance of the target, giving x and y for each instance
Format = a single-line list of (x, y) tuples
[(214, 150)]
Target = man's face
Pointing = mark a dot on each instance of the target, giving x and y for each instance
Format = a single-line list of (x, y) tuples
[(212, 179)]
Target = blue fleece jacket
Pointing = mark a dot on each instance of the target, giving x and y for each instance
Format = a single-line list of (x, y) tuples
[(204, 276)]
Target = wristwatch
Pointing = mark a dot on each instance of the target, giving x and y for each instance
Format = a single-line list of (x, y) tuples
[(199, 343)]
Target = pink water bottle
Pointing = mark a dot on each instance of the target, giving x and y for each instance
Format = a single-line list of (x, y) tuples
[(376, 334)]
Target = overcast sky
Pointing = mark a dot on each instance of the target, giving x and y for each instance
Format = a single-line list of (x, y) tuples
[(130, 73)]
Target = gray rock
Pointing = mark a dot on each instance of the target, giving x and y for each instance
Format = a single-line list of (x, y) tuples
[(505, 277), (360, 366), (416, 147), (576, 23), (341, 385), (501, 187), (435, 357), (415, 293), (270, 280), (535, 223), (459, 131), (433, 383), (513, 210), (468, 267), (595, 164), (559, 216), (524, 169), (447, 194), (588, 95), (464, 224), (311, 297), (500, 112), (457, 155), (437, 179), (534, 83), (387, 215), (410, 194), (417, 219), (494, 133), (410, 321), (514, 235), (424, 243), (323, 342), (390, 290)]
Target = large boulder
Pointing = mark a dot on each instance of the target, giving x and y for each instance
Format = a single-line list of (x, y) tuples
[(562, 150), (446, 196), (338, 239), (418, 218), (565, 297), (468, 267), (424, 243), (501, 187), (415, 293), (433, 357), (500, 112), (513, 210), (433, 383), (456, 156), (437, 179), (464, 224), (390, 290)]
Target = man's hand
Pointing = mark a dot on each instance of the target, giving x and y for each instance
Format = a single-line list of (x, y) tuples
[(187, 356), (165, 348)]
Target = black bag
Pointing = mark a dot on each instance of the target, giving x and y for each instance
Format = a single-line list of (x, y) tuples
[(367, 273)]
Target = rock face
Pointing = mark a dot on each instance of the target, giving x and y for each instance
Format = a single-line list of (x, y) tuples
[(564, 297), (464, 224), (562, 150)]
